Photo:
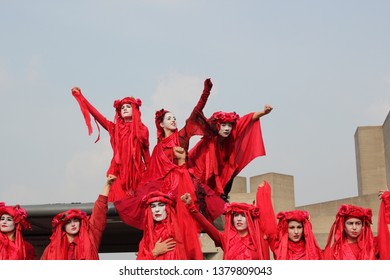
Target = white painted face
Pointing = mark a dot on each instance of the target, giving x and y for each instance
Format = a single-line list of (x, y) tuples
[(7, 223), (353, 228), (225, 129), (159, 212), (295, 231), (239, 222), (169, 121), (126, 111), (72, 226)]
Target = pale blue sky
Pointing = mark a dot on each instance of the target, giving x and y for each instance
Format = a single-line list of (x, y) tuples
[(323, 65)]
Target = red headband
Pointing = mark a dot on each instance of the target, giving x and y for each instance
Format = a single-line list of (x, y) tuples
[(295, 215), (352, 211), (127, 100), (157, 196), (235, 207), (63, 217), (18, 213)]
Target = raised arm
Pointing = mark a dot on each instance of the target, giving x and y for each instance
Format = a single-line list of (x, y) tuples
[(257, 115), (87, 108), (210, 229), (208, 85), (196, 122)]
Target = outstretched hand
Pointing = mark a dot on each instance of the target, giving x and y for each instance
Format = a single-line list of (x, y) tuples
[(267, 109), (161, 247), (208, 85), (76, 91), (110, 179), (186, 198)]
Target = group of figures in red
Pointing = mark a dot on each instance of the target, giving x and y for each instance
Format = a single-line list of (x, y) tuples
[(177, 192)]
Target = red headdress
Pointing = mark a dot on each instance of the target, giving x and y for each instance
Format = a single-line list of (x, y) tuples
[(222, 117), (168, 228), (383, 231), (57, 247), (14, 250), (159, 119), (338, 238), (310, 251), (251, 213)]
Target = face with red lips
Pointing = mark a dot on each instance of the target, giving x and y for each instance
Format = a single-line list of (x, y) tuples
[(159, 212), (295, 231), (72, 226), (126, 111), (7, 223), (353, 228), (225, 129), (169, 121), (240, 223)]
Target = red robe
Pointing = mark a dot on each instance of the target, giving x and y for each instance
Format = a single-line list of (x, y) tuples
[(215, 159), (130, 145), (234, 246), (16, 250), (168, 228), (89, 237), (383, 239)]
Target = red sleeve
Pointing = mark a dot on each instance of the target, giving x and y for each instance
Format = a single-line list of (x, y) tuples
[(98, 219), (208, 227), (248, 141), (87, 108), (196, 124)]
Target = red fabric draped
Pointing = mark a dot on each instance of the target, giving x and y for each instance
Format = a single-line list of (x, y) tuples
[(337, 247), (153, 231), (214, 159), (129, 142), (383, 227), (17, 249), (89, 237)]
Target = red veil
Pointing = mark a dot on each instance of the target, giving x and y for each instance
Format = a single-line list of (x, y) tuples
[(129, 142), (305, 249), (10, 250), (383, 231), (337, 247), (57, 249), (255, 234), (168, 228)]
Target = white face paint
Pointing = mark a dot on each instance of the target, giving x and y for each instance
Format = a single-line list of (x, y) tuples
[(225, 129), (72, 226), (159, 212), (169, 121), (126, 111), (7, 223)]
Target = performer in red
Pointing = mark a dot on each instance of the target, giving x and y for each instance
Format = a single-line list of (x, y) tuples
[(129, 139), (228, 145), (77, 236), (12, 245), (295, 239), (383, 238), (164, 171), (292, 238), (162, 238), (351, 237), (242, 238)]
